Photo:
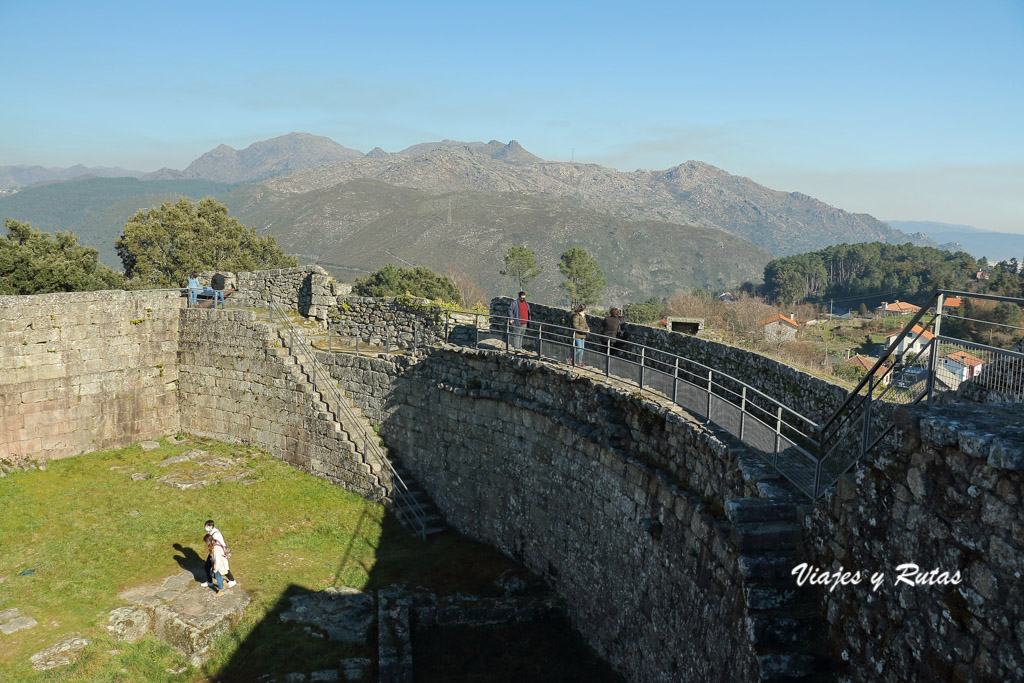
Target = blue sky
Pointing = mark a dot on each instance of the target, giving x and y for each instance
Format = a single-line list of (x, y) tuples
[(905, 110)]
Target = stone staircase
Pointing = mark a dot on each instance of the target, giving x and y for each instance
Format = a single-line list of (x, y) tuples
[(407, 499), (783, 619)]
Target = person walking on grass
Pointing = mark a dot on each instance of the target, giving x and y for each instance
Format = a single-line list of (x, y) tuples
[(218, 539), (220, 563), (580, 331)]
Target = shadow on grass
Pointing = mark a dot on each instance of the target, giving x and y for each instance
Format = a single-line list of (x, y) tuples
[(190, 560), (447, 564)]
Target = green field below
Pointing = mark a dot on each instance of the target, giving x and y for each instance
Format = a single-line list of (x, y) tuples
[(74, 535)]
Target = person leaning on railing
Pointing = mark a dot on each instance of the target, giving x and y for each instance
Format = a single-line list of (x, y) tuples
[(612, 328)]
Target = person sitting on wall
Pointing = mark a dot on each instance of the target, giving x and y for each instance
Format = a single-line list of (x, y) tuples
[(519, 318), (217, 283)]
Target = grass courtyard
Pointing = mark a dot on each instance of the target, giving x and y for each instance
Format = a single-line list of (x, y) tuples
[(74, 535)]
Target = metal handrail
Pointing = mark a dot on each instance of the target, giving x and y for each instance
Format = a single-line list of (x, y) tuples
[(804, 437), (800, 436), (645, 357), (369, 439)]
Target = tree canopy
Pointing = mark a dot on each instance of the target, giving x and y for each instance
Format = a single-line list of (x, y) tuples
[(584, 281), (644, 311), (36, 262), (521, 265), (419, 281), (874, 270), (161, 247)]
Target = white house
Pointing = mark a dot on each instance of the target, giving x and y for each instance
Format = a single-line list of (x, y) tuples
[(958, 367), (915, 340), (896, 308)]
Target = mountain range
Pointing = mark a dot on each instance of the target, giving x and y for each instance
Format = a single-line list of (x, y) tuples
[(995, 246), (463, 204)]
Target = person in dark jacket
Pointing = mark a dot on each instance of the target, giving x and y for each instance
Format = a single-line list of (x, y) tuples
[(612, 328), (217, 284), (519, 318)]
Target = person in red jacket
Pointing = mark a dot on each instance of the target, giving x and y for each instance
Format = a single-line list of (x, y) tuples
[(519, 318)]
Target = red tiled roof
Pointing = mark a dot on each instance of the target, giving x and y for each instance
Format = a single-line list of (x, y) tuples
[(866, 363), (899, 307), (952, 302), (916, 329), (964, 358), (782, 318)]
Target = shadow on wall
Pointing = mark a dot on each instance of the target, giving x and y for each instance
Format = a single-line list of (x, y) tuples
[(338, 629)]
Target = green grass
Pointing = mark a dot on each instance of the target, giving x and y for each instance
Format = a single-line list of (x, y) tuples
[(73, 525)]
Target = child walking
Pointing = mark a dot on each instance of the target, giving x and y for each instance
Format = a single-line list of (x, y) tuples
[(220, 562)]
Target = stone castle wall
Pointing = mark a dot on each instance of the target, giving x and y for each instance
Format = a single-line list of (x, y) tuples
[(629, 510), (86, 371), (615, 501), (949, 499), (238, 385)]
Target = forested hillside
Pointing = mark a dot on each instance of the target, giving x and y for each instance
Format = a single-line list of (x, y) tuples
[(875, 271)]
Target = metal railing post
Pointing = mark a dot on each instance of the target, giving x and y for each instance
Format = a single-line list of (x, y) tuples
[(291, 341), (476, 331), (447, 319), (933, 356), (866, 436), (540, 340), (708, 414), (743, 409), (778, 437), (675, 383), (642, 354), (608, 358), (508, 331)]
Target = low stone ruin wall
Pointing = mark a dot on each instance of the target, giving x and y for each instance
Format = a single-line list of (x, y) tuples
[(948, 501), (308, 290), (812, 397), (86, 371), (389, 321)]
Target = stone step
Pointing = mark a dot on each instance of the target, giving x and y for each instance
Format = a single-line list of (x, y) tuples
[(765, 535), (740, 510), (779, 632), (788, 666)]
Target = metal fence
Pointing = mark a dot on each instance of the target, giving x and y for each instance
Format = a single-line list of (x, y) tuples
[(940, 352), (927, 358)]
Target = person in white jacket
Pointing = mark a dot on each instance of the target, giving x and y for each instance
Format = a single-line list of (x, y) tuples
[(220, 562), (218, 539)]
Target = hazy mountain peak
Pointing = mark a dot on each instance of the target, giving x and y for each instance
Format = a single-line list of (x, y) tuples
[(263, 159), (377, 153)]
